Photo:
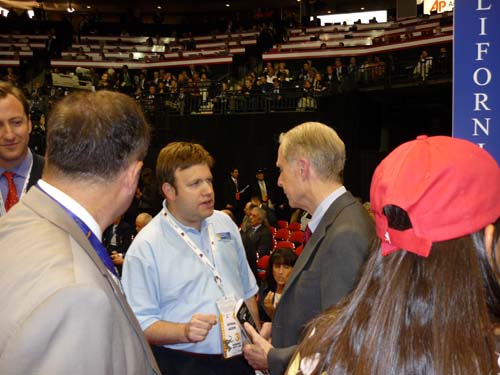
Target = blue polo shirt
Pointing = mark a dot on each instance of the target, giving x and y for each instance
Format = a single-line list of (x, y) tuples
[(164, 280)]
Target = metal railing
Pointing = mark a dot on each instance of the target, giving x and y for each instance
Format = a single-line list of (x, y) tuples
[(229, 102), (213, 97)]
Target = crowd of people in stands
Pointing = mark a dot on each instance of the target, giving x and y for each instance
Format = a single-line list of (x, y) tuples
[(252, 85), (412, 288), (272, 86)]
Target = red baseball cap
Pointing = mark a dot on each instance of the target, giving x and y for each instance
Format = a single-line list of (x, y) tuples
[(449, 188)]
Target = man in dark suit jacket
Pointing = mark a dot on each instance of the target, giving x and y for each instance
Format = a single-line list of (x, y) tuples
[(117, 239), (270, 213), (329, 265), (258, 239), (330, 77), (123, 234), (260, 188), (231, 191), (17, 163), (339, 71)]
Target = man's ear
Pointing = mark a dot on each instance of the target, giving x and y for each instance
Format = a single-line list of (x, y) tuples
[(168, 191), (132, 175), (303, 167)]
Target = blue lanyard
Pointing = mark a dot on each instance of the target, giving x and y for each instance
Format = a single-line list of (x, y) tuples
[(94, 241)]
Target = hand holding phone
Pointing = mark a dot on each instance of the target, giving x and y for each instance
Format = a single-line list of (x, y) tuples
[(243, 315)]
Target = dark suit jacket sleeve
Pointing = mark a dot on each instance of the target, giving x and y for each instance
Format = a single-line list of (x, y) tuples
[(254, 190), (106, 235), (265, 241), (278, 359), (36, 169), (229, 193), (250, 252), (127, 233)]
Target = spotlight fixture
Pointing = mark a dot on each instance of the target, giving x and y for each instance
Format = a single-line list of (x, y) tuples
[(228, 5), (70, 8)]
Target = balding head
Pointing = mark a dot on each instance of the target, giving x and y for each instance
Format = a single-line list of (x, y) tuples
[(142, 220)]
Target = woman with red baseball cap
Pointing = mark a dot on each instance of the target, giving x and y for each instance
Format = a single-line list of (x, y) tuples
[(428, 301)]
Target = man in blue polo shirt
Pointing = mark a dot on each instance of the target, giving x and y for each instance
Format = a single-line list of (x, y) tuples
[(186, 269)]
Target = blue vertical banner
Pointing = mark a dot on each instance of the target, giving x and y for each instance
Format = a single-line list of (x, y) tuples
[(476, 73)]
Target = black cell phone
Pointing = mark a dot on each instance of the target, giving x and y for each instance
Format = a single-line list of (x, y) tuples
[(243, 315)]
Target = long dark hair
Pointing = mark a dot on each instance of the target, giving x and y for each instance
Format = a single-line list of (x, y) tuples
[(413, 315)]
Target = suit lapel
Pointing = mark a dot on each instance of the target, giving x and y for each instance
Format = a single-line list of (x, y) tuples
[(46, 207), (307, 252), (312, 245)]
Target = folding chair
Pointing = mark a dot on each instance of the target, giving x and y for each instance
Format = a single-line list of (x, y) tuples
[(282, 234), (287, 244), (262, 264), (296, 237), (282, 224), (295, 226)]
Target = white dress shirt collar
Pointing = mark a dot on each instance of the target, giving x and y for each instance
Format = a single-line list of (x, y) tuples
[(73, 206), (323, 206)]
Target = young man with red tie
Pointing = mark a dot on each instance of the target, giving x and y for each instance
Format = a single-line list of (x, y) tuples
[(19, 167)]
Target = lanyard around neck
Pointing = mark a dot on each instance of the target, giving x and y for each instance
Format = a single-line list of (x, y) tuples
[(94, 241), (196, 250)]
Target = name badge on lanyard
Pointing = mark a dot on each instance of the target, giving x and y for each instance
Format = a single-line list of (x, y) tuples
[(232, 343)]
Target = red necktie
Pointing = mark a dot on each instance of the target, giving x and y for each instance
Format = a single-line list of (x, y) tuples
[(307, 234), (12, 192)]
